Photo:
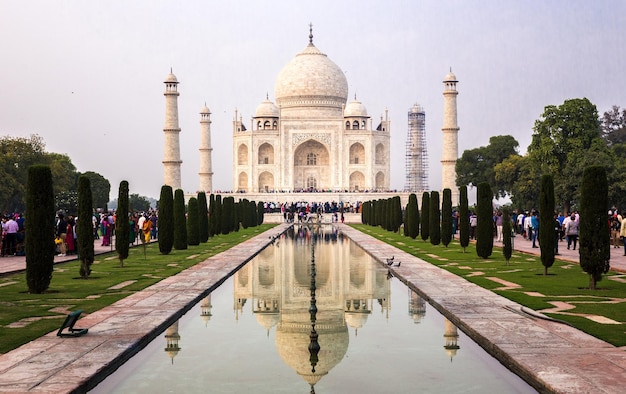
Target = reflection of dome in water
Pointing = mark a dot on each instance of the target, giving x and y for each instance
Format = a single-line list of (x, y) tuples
[(356, 320), (267, 320), (292, 343)]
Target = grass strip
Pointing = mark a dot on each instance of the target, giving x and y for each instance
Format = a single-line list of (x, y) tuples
[(565, 282), (25, 317)]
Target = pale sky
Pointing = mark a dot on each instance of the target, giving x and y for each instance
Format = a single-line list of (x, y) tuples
[(88, 76)]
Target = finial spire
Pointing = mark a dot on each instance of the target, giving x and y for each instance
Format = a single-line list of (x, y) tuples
[(311, 33), (267, 96)]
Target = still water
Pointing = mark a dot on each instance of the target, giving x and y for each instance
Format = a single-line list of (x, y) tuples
[(260, 332)]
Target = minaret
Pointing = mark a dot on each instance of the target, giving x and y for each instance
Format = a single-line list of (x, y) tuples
[(206, 172), (450, 131), (171, 156)]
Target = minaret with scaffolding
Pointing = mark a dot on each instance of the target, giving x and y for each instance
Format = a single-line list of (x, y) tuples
[(416, 154)]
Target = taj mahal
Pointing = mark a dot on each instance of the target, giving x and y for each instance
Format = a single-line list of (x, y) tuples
[(310, 139)]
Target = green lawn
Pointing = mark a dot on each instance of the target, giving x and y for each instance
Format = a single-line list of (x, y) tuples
[(565, 282), (24, 316)]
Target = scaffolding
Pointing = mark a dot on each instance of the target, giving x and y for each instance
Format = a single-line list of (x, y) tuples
[(416, 163)]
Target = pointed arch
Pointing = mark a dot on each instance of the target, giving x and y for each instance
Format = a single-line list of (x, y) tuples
[(242, 154)]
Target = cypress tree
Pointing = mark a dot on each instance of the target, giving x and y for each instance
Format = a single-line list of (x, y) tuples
[(217, 215), (547, 238), (193, 222), (166, 220), (507, 247), (484, 214), (180, 221), (203, 215), (226, 220), (364, 212), (412, 215), (397, 212), (85, 226), (122, 225), (446, 218), (245, 213), (260, 213), (594, 237), (435, 219), (425, 225), (40, 245), (464, 225), (253, 214), (211, 215), (237, 223)]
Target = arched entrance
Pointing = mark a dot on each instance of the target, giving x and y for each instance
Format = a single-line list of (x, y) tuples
[(266, 182), (311, 167)]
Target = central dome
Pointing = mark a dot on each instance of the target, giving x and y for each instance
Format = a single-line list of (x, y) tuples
[(311, 79)]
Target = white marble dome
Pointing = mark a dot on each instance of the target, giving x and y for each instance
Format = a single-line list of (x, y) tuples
[(171, 78), (311, 78), (205, 110), (355, 108), (450, 77), (266, 109)]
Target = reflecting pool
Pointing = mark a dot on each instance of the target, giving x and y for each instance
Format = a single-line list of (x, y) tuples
[(313, 313)]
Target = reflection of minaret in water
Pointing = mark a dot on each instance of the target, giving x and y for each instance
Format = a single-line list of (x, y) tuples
[(314, 346), (205, 309), (171, 339), (417, 307), (451, 335)]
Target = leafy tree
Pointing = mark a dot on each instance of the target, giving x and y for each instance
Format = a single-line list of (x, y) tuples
[(203, 214), (547, 238), (85, 226), (561, 138), (122, 225), (63, 172), (40, 245), (100, 187), (521, 178), (477, 165), (425, 225), (138, 203), (435, 219), (193, 222), (180, 221), (166, 220), (66, 201), (464, 225), (484, 214), (594, 238), (16, 156), (507, 247), (446, 218), (613, 125), (412, 216)]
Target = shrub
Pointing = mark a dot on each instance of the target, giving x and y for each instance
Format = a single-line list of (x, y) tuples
[(180, 221), (464, 225), (40, 244), (446, 218), (122, 226), (203, 215), (484, 213), (85, 226), (435, 219), (193, 222), (166, 220), (507, 247), (547, 238), (425, 224)]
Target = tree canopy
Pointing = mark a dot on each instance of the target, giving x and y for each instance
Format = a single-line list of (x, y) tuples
[(477, 165)]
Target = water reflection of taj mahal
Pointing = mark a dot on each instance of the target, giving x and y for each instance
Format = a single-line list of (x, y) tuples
[(349, 287)]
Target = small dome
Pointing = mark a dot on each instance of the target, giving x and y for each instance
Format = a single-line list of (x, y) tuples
[(205, 110), (355, 108), (266, 109), (171, 78), (450, 77)]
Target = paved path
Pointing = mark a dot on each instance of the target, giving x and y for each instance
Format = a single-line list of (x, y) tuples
[(553, 357)]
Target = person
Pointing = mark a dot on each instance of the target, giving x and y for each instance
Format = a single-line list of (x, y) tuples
[(561, 218), (473, 221), (12, 229), (557, 234), (146, 229), (105, 229), (534, 222), (615, 230), (622, 233), (498, 221), (571, 231), (154, 219), (71, 245), (62, 233)]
